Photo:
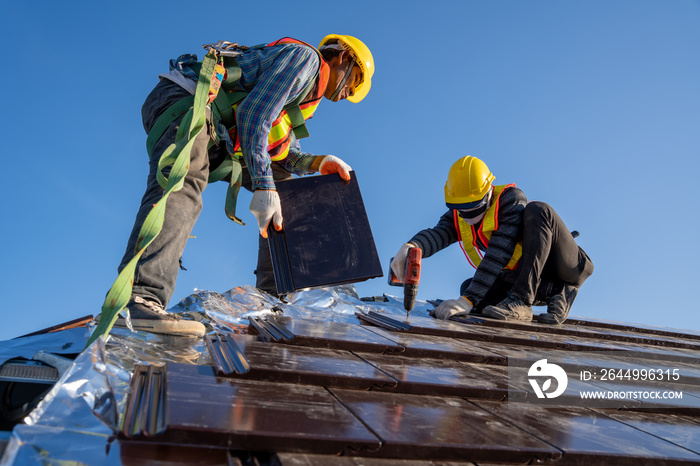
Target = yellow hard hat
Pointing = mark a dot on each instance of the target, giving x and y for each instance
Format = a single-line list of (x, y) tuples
[(363, 58), (468, 181)]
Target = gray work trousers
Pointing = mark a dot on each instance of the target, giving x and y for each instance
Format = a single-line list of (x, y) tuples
[(157, 269)]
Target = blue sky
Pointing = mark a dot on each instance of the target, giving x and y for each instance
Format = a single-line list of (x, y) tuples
[(592, 106)]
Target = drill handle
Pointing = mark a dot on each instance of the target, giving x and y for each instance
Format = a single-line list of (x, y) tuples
[(413, 265)]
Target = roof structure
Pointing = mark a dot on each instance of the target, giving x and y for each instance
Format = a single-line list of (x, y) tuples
[(328, 378)]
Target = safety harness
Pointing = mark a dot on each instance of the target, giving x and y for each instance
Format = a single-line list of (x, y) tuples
[(218, 70), (292, 118), (177, 154)]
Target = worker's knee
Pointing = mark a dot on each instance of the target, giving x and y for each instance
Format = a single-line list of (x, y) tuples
[(537, 208), (538, 212), (585, 267)]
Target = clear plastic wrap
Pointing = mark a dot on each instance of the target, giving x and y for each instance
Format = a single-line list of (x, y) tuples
[(79, 418)]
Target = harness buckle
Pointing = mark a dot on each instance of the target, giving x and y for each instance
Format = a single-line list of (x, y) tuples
[(227, 49)]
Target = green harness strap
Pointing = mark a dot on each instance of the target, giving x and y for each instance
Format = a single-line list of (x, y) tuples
[(173, 112), (179, 155), (222, 108)]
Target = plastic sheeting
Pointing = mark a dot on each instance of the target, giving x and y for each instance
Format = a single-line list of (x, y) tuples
[(229, 310), (65, 342), (78, 419)]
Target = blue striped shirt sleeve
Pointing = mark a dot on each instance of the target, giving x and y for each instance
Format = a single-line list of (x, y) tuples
[(278, 84), (297, 162)]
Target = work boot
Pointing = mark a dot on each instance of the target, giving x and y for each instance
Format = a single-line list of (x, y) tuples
[(149, 316), (509, 309), (559, 306)]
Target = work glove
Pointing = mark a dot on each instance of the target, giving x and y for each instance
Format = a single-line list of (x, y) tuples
[(398, 264), (332, 164), (266, 206), (452, 308)]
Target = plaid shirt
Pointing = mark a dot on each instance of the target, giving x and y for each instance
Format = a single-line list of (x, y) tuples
[(273, 77)]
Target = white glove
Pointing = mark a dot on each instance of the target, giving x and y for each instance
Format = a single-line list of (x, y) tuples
[(452, 308), (398, 264), (332, 164), (266, 206)]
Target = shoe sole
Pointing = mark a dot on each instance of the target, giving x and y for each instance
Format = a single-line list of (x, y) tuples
[(550, 319), (495, 314), (181, 328), (553, 319)]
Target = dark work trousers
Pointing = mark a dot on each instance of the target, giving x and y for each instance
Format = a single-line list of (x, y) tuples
[(156, 271), (264, 276), (551, 259)]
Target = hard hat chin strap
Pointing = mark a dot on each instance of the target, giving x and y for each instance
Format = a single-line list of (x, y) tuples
[(348, 72)]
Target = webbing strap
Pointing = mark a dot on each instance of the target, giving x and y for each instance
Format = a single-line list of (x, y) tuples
[(223, 108), (233, 188), (179, 152), (231, 165), (296, 118), (173, 112), (233, 73)]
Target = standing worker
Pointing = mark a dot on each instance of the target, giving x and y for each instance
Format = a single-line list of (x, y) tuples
[(267, 92), (522, 251)]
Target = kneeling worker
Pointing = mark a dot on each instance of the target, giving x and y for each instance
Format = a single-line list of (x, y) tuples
[(522, 251)]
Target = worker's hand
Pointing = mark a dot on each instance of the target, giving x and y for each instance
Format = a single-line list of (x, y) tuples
[(398, 264), (332, 164), (266, 206), (452, 308)]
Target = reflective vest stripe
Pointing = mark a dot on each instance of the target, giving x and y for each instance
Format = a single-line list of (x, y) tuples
[(473, 251), (282, 125), (278, 132), (467, 234), (281, 150), (279, 137)]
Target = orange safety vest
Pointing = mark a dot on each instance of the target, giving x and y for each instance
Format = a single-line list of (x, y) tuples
[(279, 137), (468, 234)]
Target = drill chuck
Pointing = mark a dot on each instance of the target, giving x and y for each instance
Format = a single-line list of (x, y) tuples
[(409, 296)]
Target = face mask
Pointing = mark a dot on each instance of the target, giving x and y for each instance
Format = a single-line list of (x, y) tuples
[(474, 220), (474, 215)]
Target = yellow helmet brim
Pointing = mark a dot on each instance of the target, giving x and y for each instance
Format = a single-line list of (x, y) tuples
[(360, 91)]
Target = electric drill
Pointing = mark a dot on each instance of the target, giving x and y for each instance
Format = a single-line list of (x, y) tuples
[(411, 278)]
